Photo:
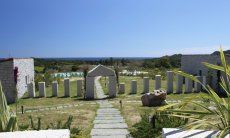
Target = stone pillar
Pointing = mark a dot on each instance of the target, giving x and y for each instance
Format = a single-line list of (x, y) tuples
[(42, 89), (179, 83), (121, 88), (188, 85), (66, 87), (133, 87), (204, 82), (31, 89), (112, 86), (79, 88), (169, 82), (89, 88), (146, 84), (157, 82), (197, 86), (54, 88)]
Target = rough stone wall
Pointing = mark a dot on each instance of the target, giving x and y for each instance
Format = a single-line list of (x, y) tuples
[(7, 80), (25, 74), (192, 64)]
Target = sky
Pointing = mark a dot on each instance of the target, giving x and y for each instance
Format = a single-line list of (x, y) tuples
[(112, 28)]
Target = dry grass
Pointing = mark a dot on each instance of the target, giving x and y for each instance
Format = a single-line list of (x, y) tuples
[(83, 116)]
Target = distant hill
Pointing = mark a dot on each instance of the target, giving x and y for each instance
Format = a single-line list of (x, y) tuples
[(217, 52)]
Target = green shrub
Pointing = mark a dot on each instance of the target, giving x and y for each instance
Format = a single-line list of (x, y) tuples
[(152, 127)]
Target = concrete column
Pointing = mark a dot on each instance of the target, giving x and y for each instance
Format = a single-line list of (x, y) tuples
[(31, 89), (133, 87), (179, 83), (89, 88), (188, 85), (197, 86), (42, 89), (55, 89), (146, 84), (157, 82), (112, 86), (121, 88), (67, 87), (169, 82), (79, 88)]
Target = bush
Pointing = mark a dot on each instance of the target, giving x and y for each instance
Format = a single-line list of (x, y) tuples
[(152, 127)]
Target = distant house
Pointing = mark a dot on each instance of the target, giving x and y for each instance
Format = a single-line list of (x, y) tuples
[(192, 64), (25, 68)]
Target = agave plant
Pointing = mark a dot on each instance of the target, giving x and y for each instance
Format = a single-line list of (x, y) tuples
[(217, 118), (8, 122)]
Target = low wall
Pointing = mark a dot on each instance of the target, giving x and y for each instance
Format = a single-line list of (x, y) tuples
[(179, 133), (61, 133)]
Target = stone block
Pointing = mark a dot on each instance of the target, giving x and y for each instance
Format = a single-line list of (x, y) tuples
[(157, 82), (188, 85), (42, 89), (55, 89), (31, 89), (121, 88), (169, 82), (179, 83), (133, 87), (145, 84), (67, 87), (89, 88), (112, 86), (197, 86)]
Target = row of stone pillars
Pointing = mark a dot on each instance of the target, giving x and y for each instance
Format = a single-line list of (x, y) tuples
[(90, 87), (170, 86), (55, 89)]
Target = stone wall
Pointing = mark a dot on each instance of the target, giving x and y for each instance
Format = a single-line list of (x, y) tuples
[(25, 76), (7, 80), (193, 64)]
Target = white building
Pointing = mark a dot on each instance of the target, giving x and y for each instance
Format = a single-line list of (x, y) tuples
[(25, 75)]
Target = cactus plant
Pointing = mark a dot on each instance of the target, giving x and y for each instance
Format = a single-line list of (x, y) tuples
[(8, 122)]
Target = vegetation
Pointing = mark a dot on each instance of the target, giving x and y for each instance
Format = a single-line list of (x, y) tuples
[(54, 125), (220, 113), (8, 122), (151, 126)]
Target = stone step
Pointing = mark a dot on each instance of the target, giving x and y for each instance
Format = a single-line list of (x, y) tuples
[(109, 132), (111, 126), (107, 109), (108, 121), (108, 113), (108, 117), (114, 136)]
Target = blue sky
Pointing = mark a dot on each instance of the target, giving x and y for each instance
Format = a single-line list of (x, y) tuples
[(112, 28)]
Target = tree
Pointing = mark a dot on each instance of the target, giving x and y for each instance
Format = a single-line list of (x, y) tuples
[(85, 69), (74, 68), (117, 70)]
